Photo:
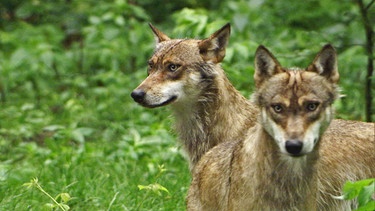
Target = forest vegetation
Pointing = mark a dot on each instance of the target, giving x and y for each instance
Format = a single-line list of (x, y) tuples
[(72, 137)]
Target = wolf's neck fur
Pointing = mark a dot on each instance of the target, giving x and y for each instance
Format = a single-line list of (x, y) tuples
[(220, 113), (277, 180)]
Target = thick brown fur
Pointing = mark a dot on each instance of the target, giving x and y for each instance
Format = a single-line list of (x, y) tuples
[(206, 107), (253, 175), (347, 154)]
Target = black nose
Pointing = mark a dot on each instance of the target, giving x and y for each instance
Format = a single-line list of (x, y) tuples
[(138, 95), (294, 147)]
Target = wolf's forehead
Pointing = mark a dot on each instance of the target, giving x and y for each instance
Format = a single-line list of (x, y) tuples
[(295, 77), (297, 83), (164, 46), (182, 48), (299, 78)]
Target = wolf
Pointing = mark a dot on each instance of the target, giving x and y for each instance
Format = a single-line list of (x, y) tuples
[(186, 75), (275, 166)]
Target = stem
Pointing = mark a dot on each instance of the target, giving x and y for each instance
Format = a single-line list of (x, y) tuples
[(112, 201), (370, 55), (36, 88), (43, 191), (369, 5), (2, 93)]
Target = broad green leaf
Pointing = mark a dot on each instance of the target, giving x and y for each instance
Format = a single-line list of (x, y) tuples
[(352, 189), (65, 206), (53, 127), (18, 57), (156, 188), (368, 207), (94, 20), (365, 194), (65, 197), (50, 205)]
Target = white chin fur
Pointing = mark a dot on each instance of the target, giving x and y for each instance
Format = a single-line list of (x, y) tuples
[(168, 91)]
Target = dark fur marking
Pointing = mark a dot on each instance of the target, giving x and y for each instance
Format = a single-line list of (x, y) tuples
[(171, 48), (176, 75)]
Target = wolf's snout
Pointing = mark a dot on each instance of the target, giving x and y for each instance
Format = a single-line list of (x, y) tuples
[(294, 147), (138, 95)]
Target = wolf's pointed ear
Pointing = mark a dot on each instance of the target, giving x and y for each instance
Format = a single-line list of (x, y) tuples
[(213, 48), (325, 64), (266, 65), (159, 36)]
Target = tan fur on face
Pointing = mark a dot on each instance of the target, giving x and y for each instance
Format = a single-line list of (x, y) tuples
[(163, 84), (300, 124)]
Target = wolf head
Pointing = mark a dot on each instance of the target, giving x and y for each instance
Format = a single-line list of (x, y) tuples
[(296, 103), (180, 68)]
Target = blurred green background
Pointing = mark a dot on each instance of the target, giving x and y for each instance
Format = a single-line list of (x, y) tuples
[(67, 69)]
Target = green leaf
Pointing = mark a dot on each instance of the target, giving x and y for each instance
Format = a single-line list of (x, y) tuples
[(47, 58), (19, 56), (28, 184), (50, 205), (143, 187), (31, 184), (94, 20), (79, 134), (365, 194), (368, 207), (120, 20), (65, 197), (53, 127), (139, 12), (65, 206), (156, 188), (160, 187), (352, 189)]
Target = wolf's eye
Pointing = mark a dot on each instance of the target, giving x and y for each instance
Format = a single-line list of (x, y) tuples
[(312, 106), (173, 67), (277, 108), (150, 64)]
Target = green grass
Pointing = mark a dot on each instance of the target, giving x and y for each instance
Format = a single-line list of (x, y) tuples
[(94, 174), (98, 147)]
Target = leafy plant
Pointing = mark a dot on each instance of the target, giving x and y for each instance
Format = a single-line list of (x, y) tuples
[(363, 191), (64, 197), (156, 187)]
